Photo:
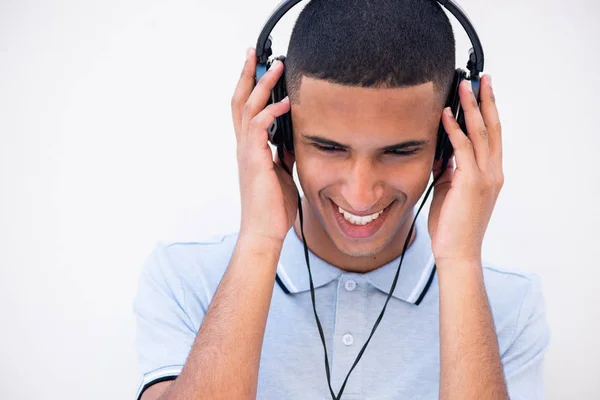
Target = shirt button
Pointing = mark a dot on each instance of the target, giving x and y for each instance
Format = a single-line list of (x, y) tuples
[(348, 339), (350, 285)]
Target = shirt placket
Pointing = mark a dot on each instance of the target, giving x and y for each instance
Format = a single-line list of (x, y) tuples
[(349, 334)]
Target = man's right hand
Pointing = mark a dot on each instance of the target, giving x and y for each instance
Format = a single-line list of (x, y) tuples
[(269, 196)]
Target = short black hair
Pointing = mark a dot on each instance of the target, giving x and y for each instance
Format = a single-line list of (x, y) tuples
[(372, 43)]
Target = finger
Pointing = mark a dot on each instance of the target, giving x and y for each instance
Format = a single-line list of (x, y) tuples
[(261, 93), (440, 190), (258, 127), (475, 125), (463, 147), (446, 174), (243, 90), (492, 121)]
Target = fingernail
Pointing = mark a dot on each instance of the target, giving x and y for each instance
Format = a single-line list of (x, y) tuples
[(248, 52), (286, 99), (470, 86), (490, 80), (275, 63), (448, 111)]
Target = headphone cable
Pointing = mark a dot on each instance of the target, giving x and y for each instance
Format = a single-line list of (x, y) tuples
[(312, 289)]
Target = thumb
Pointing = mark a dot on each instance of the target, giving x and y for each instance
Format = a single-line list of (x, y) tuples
[(447, 175), (289, 159)]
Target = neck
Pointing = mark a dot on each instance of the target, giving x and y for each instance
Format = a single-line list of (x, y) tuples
[(320, 244)]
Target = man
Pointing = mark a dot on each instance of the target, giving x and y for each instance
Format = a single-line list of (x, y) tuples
[(233, 318)]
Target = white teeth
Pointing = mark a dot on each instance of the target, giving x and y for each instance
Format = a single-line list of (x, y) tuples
[(356, 220)]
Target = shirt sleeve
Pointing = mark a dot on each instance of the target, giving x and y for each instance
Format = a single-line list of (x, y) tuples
[(164, 331), (523, 360)]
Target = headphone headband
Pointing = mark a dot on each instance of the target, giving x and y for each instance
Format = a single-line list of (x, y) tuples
[(476, 57)]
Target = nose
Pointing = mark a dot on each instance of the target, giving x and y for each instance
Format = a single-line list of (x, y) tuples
[(362, 189)]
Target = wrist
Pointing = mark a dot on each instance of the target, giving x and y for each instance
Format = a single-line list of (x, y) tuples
[(458, 263), (259, 244)]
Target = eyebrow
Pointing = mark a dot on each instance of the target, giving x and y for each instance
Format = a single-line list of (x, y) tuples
[(398, 146)]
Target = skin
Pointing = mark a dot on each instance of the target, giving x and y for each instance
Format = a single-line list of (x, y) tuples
[(363, 179)]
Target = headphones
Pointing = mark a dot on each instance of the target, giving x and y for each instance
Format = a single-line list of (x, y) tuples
[(280, 133)]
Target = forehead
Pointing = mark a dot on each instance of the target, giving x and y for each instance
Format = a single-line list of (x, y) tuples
[(325, 108)]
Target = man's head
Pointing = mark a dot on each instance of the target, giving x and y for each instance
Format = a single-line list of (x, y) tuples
[(365, 76)]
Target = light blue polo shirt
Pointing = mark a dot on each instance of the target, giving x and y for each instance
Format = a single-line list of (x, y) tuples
[(178, 281)]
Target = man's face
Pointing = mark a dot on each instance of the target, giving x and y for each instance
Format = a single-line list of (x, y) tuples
[(349, 152)]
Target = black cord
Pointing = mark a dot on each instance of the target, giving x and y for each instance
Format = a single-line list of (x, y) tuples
[(312, 296), (312, 289), (392, 288)]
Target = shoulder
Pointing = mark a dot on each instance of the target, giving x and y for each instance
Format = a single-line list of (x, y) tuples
[(206, 254), (510, 286), (190, 268), (509, 281), (516, 299)]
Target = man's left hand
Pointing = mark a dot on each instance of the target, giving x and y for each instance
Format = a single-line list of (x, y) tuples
[(464, 198)]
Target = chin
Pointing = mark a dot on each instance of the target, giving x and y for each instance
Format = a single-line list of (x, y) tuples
[(359, 250)]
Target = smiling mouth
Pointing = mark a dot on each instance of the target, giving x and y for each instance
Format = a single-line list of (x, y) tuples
[(357, 226), (358, 219)]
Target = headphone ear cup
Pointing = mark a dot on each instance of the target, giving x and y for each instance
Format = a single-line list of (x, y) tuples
[(280, 133), (444, 147)]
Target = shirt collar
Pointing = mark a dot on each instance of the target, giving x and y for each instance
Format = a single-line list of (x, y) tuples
[(416, 274)]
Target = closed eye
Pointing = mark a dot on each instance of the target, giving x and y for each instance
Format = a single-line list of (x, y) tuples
[(327, 149), (402, 152), (336, 149)]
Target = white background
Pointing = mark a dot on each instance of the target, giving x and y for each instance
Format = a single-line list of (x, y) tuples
[(115, 132)]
